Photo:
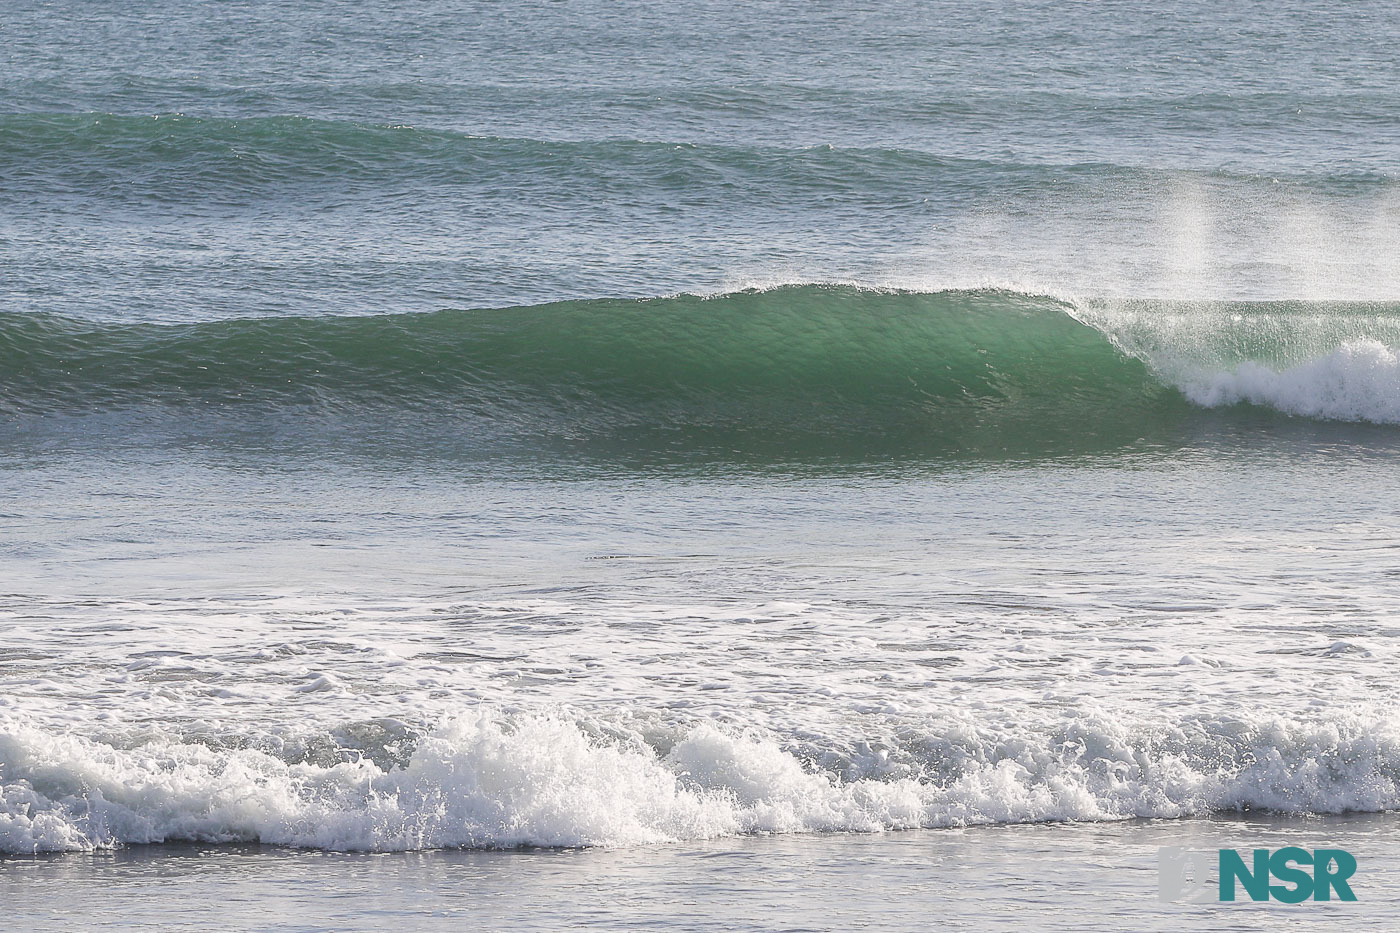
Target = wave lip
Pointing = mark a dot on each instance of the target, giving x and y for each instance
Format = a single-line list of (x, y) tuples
[(482, 781), (1325, 360)]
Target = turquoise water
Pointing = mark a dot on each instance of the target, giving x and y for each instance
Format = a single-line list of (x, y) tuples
[(630, 432)]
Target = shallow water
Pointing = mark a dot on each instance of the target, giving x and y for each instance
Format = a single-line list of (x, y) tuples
[(678, 656), (1096, 876)]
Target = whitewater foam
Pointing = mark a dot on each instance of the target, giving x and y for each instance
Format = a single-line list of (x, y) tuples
[(487, 781), (1359, 381)]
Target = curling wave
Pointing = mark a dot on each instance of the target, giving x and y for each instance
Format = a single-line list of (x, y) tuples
[(797, 368)]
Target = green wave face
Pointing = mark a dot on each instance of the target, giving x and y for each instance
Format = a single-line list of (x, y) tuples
[(802, 371)]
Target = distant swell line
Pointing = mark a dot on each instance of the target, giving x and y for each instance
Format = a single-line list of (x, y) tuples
[(97, 149)]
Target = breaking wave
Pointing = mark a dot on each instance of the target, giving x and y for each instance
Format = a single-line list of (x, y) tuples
[(789, 368), (490, 781)]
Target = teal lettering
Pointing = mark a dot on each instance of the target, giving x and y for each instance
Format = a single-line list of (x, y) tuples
[(1324, 881), (1302, 880), (1232, 869)]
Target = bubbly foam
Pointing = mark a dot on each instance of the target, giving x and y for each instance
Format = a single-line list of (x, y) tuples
[(1359, 381), (487, 780)]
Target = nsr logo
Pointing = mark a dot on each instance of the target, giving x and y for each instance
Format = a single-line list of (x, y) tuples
[(1186, 874)]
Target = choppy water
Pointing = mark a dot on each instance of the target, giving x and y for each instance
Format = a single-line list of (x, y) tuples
[(602, 424)]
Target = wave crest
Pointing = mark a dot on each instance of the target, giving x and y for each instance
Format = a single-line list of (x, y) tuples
[(1360, 381), (487, 781), (792, 371)]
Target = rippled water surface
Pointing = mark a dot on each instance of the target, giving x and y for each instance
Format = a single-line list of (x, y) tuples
[(631, 432)]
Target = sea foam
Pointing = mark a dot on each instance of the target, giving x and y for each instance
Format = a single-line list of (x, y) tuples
[(1359, 381), (485, 780)]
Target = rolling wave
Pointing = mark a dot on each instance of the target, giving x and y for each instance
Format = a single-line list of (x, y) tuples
[(488, 781), (802, 364)]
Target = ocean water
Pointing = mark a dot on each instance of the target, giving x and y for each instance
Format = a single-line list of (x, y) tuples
[(761, 466)]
